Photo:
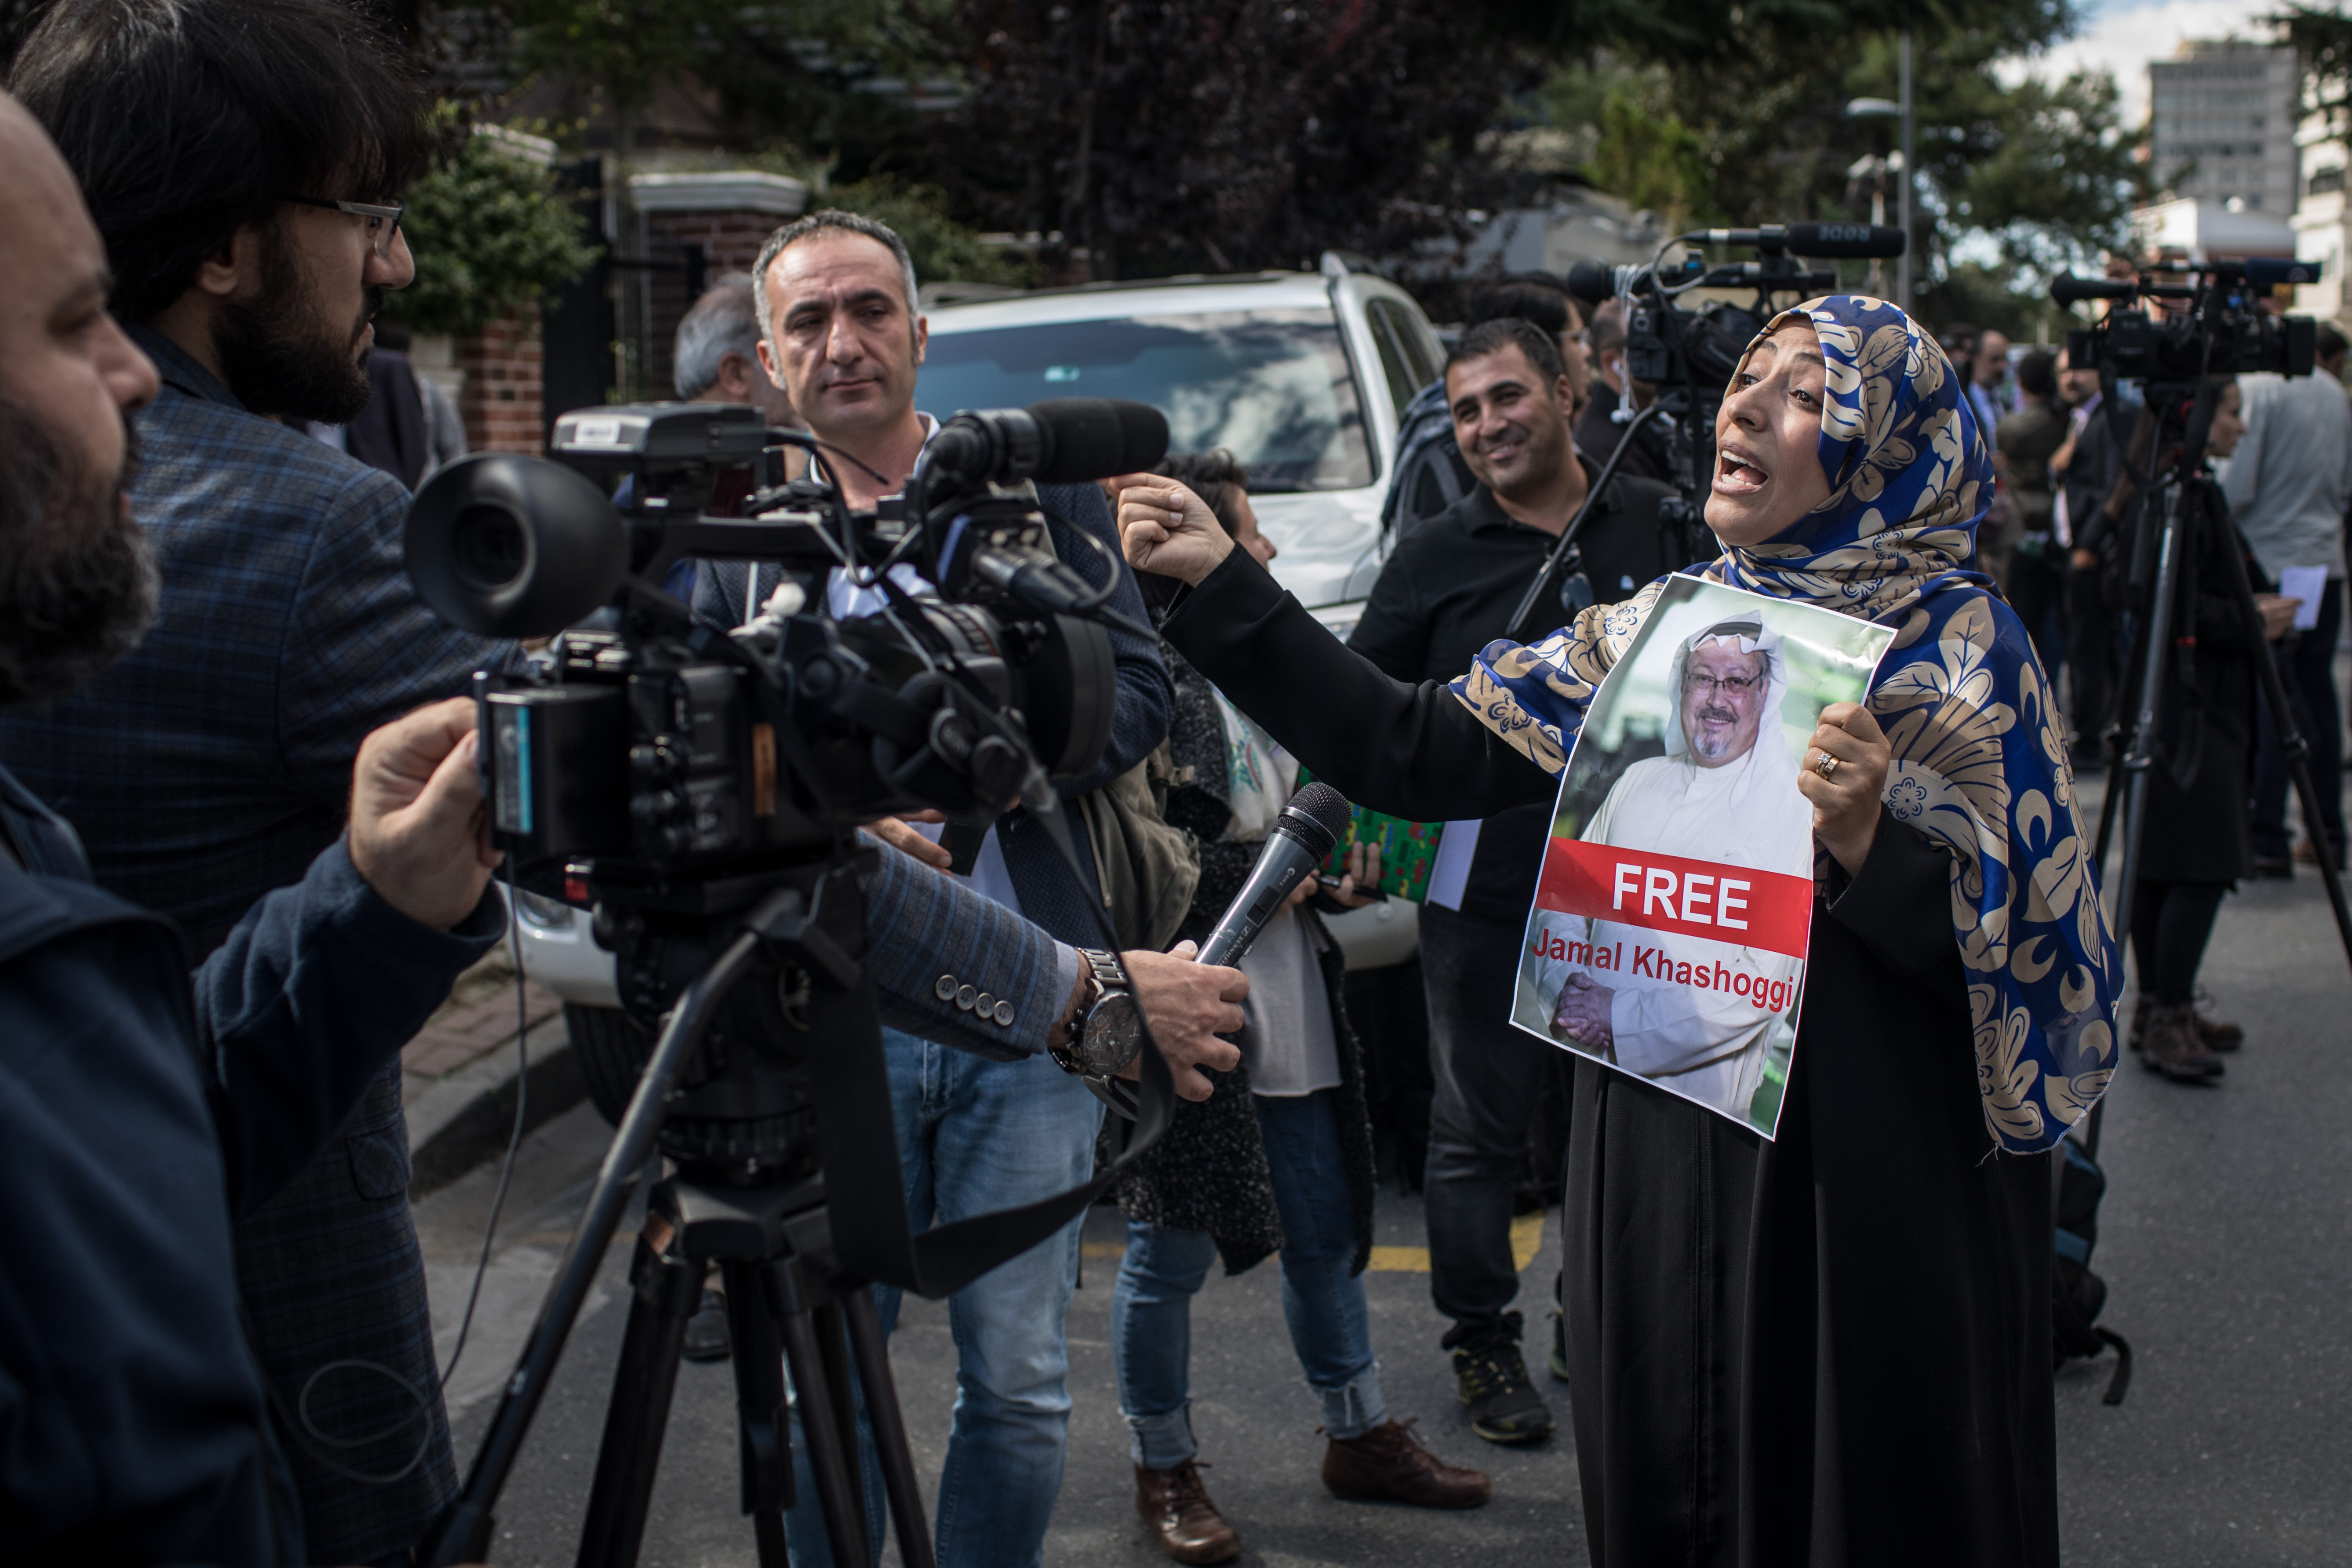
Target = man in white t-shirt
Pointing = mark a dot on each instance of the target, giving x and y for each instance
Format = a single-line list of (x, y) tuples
[(1717, 794)]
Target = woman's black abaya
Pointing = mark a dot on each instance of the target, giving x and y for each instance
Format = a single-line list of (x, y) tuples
[(1830, 1349)]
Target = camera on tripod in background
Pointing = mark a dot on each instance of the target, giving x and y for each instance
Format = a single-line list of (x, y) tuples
[(1688, 357), (2212, 323)]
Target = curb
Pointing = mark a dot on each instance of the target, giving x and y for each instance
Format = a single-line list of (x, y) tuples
[(456, 1122)]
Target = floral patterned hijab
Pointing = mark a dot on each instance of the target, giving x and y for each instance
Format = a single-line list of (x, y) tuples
[(1980, 749)]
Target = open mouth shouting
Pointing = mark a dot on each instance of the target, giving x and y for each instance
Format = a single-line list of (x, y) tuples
[(1736, 471)]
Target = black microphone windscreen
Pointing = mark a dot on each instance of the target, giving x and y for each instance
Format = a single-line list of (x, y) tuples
[(2269, 271), (1322, 807), (1099, 437), (2066, 288), (1845, 239), (1592, 282)]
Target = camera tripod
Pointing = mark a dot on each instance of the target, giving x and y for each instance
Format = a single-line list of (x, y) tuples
[(785, 1305), (2181, 506), (791, 1184)]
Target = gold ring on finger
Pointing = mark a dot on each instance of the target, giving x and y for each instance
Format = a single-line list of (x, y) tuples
[(1824, 764)]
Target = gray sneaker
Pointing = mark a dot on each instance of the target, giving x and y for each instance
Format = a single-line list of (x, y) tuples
[(1504, 1405)]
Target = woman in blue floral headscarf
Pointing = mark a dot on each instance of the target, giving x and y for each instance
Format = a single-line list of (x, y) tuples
[(1835, 1346)]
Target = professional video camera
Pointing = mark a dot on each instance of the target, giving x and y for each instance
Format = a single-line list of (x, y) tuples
[(1688, 356), (2179, 329), (2211, 328), (659, 749), (697, 787)]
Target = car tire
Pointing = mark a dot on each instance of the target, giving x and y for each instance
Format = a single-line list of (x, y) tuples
[(611, 1049)]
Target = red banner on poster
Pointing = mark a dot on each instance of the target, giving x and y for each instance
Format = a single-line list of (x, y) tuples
[(1737, 904)]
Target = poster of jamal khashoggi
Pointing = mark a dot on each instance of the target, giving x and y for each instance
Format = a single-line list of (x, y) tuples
[(1667, 936)]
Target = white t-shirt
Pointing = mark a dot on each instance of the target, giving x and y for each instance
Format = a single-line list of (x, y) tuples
[(1289, 1047)]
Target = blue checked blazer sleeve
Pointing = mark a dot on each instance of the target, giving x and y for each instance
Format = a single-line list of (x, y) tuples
[(930, 932)]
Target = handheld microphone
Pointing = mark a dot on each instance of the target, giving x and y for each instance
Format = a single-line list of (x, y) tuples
[(1301, 838)]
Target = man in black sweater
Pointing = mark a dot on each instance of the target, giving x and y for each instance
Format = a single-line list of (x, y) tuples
[(1446, 592)]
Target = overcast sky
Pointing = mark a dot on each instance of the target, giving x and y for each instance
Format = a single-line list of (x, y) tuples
[(2123, 35)]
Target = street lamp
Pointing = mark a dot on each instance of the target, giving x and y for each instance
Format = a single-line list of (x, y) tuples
[(1896, 109)]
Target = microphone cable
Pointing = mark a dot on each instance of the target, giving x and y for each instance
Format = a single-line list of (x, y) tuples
[(297, 1421)]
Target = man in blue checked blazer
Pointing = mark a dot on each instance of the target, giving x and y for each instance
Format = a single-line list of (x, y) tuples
[(243, 162)]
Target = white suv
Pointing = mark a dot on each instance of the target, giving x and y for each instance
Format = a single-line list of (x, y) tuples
[(1301, 375)]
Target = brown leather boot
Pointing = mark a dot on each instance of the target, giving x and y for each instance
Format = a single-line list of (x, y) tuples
[(2172, 1048), (1185, 1524), (2213, 1034), (1388, 1464)]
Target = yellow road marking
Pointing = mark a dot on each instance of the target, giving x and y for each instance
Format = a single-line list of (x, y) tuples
[(1526, 1240)]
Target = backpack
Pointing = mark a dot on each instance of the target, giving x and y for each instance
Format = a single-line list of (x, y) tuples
[(2077, 1185), (1429, 473)]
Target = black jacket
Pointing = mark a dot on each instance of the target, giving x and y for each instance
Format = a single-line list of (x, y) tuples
[(137, 1118), (1209, 1170), (1446, 592)]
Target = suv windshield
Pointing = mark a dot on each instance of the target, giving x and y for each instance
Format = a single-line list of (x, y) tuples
[(1272, 387)]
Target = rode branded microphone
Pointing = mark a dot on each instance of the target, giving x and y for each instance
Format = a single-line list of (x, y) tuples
[(1301, 838), (1858, 240)]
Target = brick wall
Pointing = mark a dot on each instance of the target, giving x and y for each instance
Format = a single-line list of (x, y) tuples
[(731, 242), (500, 401)]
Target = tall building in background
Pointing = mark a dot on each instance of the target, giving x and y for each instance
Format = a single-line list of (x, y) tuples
[(2221, 123)]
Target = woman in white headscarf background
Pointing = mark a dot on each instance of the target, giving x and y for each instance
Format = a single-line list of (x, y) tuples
[(1833, 1346), (1726, 791)]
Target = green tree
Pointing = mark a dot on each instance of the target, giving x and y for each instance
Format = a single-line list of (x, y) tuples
[(492, 235), (943, 248), (1739, 112)]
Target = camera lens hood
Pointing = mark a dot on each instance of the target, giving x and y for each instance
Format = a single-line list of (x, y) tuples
[(511, 546)]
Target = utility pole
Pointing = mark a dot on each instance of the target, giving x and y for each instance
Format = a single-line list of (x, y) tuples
[(1903, 273)]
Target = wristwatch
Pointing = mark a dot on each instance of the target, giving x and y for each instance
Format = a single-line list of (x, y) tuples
[(1107, 1031)]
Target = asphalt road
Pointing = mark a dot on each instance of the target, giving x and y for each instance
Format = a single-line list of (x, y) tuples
[(2224, 1243)]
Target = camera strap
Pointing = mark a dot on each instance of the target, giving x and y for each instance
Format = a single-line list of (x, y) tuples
[(850, 1088)]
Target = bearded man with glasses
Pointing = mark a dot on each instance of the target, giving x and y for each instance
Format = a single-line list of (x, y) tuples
[(243, 160)]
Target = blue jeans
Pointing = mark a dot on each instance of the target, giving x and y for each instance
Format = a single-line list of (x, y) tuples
[(976, 1135), (1330, 1329)]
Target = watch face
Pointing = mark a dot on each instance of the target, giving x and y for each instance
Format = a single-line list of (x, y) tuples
[(1113, 1035)]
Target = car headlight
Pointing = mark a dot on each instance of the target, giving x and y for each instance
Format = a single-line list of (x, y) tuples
[(546, 913)]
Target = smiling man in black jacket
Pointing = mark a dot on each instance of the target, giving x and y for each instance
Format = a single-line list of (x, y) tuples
[(1446, 592)]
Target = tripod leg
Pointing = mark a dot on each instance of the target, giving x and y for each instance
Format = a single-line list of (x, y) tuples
[(663, 1292), (761, 1419), (2292, 745), (898, 1483), (833, 1355), (2140, 758), (820, 1427)]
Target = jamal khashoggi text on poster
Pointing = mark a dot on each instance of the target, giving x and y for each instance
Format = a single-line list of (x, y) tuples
[(1667, 936)]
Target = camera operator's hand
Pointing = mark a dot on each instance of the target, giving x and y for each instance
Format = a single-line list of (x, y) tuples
[(420, 835), (1164, 528), (2278, 614), (1847, 802), (1189, 1005), (2085, 560), (895, 832)]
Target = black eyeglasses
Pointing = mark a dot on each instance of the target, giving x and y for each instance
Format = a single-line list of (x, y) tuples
[(381, 223)]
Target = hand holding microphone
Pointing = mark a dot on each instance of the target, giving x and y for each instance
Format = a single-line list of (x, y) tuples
[(1301, 838)]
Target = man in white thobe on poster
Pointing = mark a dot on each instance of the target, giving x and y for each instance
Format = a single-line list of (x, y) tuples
[(1717, 796)]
